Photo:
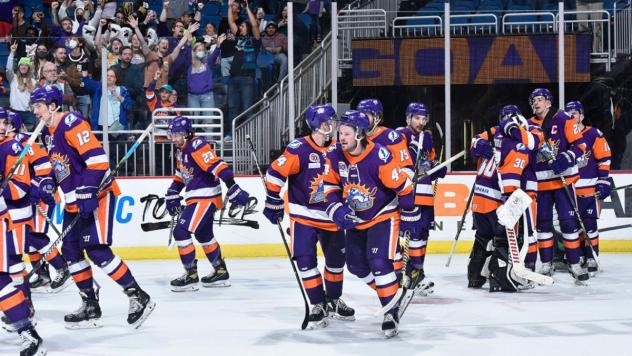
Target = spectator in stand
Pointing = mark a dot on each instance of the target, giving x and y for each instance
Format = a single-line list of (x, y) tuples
[(315, 11), (79, 59), (113, 50), (300, 32), (38, 22), (592, 7), (241, 83), (175, 9), (52, 77), (41, 58), (138, 57), (22, 85), (200, 77), (59, 54), (63, 28), (210, 37), (228, 48), (18, 29), (162, 100), (276, 43), (177, 72), (131, 77), (261, 21), (118, 101), (159, 60)]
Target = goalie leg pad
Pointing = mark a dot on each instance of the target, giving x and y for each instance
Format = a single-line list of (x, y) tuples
[(481, 250), (500, 277)]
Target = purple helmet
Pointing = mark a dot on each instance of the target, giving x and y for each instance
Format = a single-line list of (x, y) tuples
[(317, 114), (180, 124), (574, 105), (508, 110), (417, 109), (15, 120), (47, 94), (355, 119), (540, 92), (370, 105)]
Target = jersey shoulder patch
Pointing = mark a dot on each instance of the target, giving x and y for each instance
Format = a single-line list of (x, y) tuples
[(383, 154), (293, 146), (198, 142), (71, 118), (16, 148), (393, 136)]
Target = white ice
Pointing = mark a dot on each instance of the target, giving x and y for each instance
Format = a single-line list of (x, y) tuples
[(262, 312)]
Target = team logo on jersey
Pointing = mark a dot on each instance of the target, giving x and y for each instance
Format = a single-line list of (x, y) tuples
[(196, 143), (70, 119), (313, 157), (383, 154), (393, 136), (16, 148), (187, 174), (294, 144), (360, 198), (317, 189), (61, 166), (582, 161)]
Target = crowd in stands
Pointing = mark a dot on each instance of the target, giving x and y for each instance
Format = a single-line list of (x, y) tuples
[(171, 53)]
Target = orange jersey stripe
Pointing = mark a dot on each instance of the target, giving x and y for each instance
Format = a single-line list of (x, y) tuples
[(12, 301), (333, 277), (119, 272), (387, 291), (313, 283)]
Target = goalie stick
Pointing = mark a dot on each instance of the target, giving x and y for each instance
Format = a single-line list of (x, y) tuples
[(514, 251), (104, 182), (285, 244)]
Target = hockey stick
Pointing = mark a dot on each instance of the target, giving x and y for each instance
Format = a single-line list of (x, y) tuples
[(161, 225), (23, 153), (618, 227), (104, 182), (435, 184), (440, 165), (52, 226), (622, 187), (285, 244), (459, 226), (514, 251), (172, 226)]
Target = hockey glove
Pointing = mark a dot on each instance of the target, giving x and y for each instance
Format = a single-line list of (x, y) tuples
[(563, 162), (173, 199), (43, 189), (424, 166), (273, 210), (237, 196), (342, 215), (410, 222), (482, 149), (440, 173), (87, 201), (603, 188)]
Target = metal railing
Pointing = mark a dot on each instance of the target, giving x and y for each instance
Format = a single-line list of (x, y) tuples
[(390, 6), (622, 23), (529, 22), (432, 25), (266, 121), (362, 23), (601, 33), (209, 125), (477, 24)]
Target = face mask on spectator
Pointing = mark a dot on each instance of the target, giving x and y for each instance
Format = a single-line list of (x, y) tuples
[(200, 54), (41, 54)]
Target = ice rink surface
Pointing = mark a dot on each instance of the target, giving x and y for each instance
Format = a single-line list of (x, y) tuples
[(261, 313)]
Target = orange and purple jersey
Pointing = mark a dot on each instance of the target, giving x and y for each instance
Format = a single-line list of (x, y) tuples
[(198, 170), (513, 158), (302, 165), (423, 190), (371, 183), (17, 189), (77, 157), (594, 164), (395, 143), (562, 134)]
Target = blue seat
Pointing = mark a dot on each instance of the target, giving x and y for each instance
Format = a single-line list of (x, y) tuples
[(463, 6), (306, 19), (210, 9)]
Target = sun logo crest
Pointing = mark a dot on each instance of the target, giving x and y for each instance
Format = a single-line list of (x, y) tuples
[(360, 198), (61, 166), (317, 189)]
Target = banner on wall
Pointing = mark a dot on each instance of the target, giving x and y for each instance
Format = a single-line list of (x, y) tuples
[(474, 60), (141, 219)]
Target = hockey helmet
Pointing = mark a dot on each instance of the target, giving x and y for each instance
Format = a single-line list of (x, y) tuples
[(416, 109), (181, 125), (373, 106), (47, 94), (540, 92), (317, 114), (15, 120), (508, 110), (355, 119), (574, 105)]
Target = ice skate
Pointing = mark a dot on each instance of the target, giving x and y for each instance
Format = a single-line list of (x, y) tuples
[(217, 278), (318, 317), (546, 269), (140, 306), (338, 309), (579, 274), (87, 316), (40, 279), (188, 282), (592, 267), (31, 343), (390, 325), (61, 281)]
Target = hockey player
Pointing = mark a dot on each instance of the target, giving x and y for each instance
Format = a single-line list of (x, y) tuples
[(593, 184), (42, 194), (390, 139), (369, 209), (491, 191), (198, 170), (302, 165), (556, 160), (13, 297), (420, 147), (80, 166)]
